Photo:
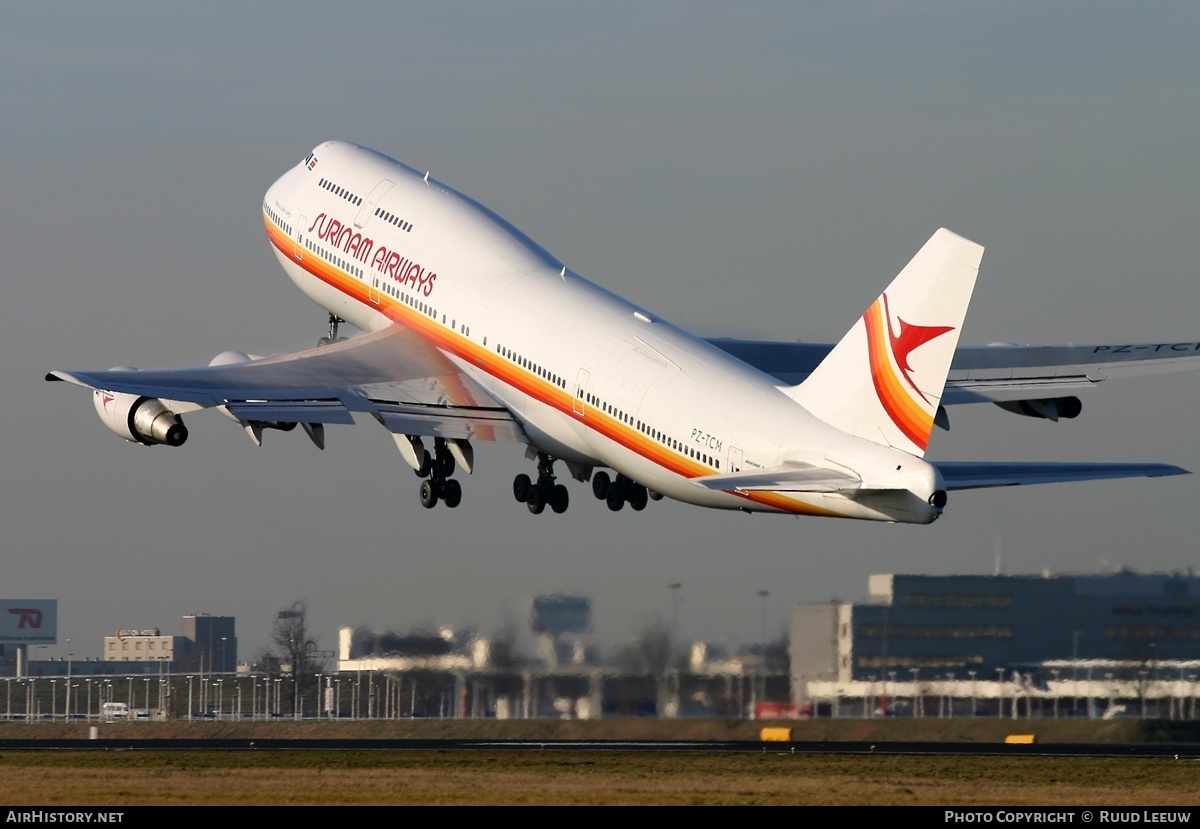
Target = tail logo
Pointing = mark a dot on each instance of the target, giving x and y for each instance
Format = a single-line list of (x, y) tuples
[(911, 337), (889, 353)]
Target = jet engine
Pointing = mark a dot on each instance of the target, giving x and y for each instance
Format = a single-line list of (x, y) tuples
[(1050, 409), (139, 419)]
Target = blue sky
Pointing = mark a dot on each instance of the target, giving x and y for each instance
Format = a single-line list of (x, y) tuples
[(748, 169)]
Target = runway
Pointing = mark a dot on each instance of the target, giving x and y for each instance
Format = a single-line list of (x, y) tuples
[(1148, 750)]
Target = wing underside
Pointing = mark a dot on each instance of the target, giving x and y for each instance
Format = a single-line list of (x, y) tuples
[(394, 375)]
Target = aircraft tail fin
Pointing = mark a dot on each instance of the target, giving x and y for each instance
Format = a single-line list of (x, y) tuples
[(884, 381)]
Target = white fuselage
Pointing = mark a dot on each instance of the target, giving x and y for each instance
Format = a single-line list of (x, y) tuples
[(593, 379)]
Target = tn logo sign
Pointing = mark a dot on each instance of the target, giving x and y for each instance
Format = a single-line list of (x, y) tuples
[(30, 617)]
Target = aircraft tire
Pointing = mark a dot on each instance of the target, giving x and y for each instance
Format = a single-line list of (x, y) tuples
[(638, 497), (521, 487), (452, 493), (600, 482), (560, 499), (426, 467), (537, 501), (615, 497), (429, 496)]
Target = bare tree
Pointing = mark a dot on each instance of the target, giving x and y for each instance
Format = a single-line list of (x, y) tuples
[(294, 644), (650, 652)]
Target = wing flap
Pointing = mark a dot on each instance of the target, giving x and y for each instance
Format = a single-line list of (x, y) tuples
[(293, 411), (461, 423), (1004, 389), (977, 475)]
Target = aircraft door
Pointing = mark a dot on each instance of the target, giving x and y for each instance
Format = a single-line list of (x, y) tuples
[(581, 391), (735, 459), (298, 242), (368, 206)]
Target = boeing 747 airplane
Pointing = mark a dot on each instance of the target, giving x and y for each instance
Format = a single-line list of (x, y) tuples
[(473, 332)]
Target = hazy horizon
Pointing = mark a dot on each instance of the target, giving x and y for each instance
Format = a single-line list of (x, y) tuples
[(754, 170)]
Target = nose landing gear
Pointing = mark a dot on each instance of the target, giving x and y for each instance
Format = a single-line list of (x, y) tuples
[(334, 322)]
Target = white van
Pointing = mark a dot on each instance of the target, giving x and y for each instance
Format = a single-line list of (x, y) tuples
[(110, 711)]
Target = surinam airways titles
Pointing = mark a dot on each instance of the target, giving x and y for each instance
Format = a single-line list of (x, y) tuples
[(349, 241)]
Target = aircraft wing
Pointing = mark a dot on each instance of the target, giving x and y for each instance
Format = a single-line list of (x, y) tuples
[(996, 373), (394, 375), (971, 475)]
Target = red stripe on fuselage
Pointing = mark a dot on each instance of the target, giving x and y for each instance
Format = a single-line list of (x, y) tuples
[(519, 378)]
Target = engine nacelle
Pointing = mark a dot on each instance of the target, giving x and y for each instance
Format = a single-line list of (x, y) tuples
[(137, 419), (233, 358), (1051, 408)]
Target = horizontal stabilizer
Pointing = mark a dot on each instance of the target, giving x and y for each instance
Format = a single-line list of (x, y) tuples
[(788, 477), (972, 475)]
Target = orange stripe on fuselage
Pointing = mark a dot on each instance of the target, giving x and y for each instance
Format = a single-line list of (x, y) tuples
[(521, 379)]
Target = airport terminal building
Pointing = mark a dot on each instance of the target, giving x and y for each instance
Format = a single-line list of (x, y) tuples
[(1033, 630)]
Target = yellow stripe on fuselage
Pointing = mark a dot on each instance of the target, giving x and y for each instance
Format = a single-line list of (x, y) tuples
[(518, 377)]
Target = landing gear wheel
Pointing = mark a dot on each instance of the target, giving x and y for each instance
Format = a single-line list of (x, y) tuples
[(429, 496), (521, 487), (334, 322), (637, 497), (559, 499), (537, 501), (654, 496), (452, 493), (600, 482), (443, 466), (614, 497), (426, 467)]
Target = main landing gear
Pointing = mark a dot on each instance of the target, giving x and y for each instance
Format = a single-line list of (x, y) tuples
[(438, 484), (545, 491), (333, 337), (621, 491)]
